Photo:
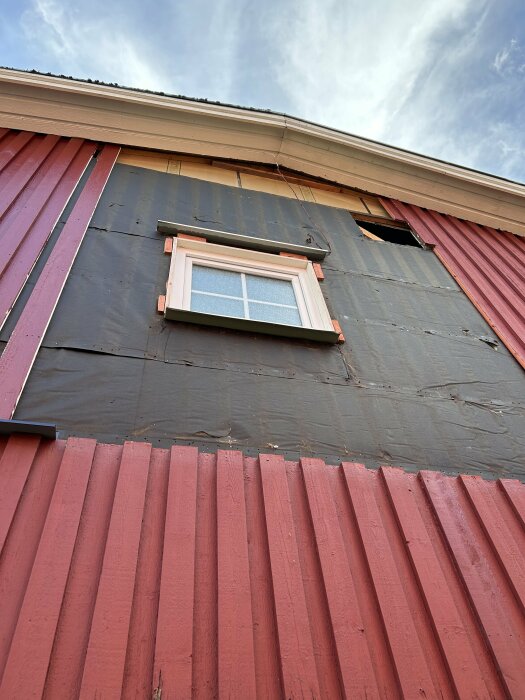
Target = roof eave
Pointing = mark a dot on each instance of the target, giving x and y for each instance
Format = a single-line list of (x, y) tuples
[(118, 115)]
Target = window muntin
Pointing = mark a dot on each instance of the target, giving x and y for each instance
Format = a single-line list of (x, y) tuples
[(222, 285), (240, 294)]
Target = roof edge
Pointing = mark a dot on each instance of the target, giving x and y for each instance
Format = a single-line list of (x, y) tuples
[(69, 107)]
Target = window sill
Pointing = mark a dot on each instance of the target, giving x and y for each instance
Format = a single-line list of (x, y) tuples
[(243, 324)]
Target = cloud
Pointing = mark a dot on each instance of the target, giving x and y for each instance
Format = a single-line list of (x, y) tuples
[(175, 48), (510, 59), (443, 77), (355, 66), (420, 76), (89, 44)]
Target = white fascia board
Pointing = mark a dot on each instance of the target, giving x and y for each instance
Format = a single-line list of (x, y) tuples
[(128, 117)]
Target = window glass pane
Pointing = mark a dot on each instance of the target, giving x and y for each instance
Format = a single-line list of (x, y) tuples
[(211, 279), (270, 289), (274, 314), (222, 306)]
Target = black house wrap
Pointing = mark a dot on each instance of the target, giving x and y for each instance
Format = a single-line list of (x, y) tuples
[(421, 382)]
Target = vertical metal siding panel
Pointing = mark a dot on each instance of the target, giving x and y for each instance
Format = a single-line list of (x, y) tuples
[(231, 543), (515, 494), (236, 662), (138, 671), (11, 185), (13, 235), (205, 633), (321, 629), (510, 557), (32, 641), (108, 642), (485, 282), (407, 654), (488, 265), (20, 549), (12, 145), (19, 354), (355, 666), (298, 666), (449, 628), (502, 628), (71, 640), (15, 465), (266, 646), (21, 264), (377, 640), (30, 220), (174, 641)]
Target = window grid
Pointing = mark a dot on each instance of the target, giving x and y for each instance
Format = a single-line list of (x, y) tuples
[(246, 299)]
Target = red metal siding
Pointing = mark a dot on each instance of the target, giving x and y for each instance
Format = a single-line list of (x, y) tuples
[(37, 177), (488, 265), (129, 569), (20, 352)]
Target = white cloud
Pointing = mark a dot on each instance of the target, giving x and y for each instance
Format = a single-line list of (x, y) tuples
[(176, 48), (354, 65), (510, 59), (434, 77)]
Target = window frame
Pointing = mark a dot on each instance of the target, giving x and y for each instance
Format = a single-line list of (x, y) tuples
[(317, 324)]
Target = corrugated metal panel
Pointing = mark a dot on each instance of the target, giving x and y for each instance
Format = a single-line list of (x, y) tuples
[(127, 570), (38, 174), (489, 265), (18, 356)]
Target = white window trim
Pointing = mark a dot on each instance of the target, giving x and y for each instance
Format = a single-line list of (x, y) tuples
[(315, 317)]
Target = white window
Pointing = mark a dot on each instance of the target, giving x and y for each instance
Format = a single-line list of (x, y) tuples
[(246, 289)]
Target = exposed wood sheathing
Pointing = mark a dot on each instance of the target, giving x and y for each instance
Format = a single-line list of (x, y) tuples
[(280, 183), (488, 265), (127, 570)]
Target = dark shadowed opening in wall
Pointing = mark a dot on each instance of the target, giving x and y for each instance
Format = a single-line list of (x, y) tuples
[(392, 234)]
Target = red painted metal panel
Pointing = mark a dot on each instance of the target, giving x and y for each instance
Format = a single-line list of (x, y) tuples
[(236, 662), (104, 664), (298, 667), (19, 354), (15, 177), (353, 654), (38, 618), (174, 643), (115, 579), (12, 144), (14, 466), (39, 176), (409, 658), (488, 265), (502, 622)]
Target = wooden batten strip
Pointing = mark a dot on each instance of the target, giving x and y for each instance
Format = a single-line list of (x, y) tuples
[(318, 271), (337, 328)]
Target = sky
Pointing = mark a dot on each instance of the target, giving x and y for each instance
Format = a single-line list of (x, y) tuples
[(445, 78)]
